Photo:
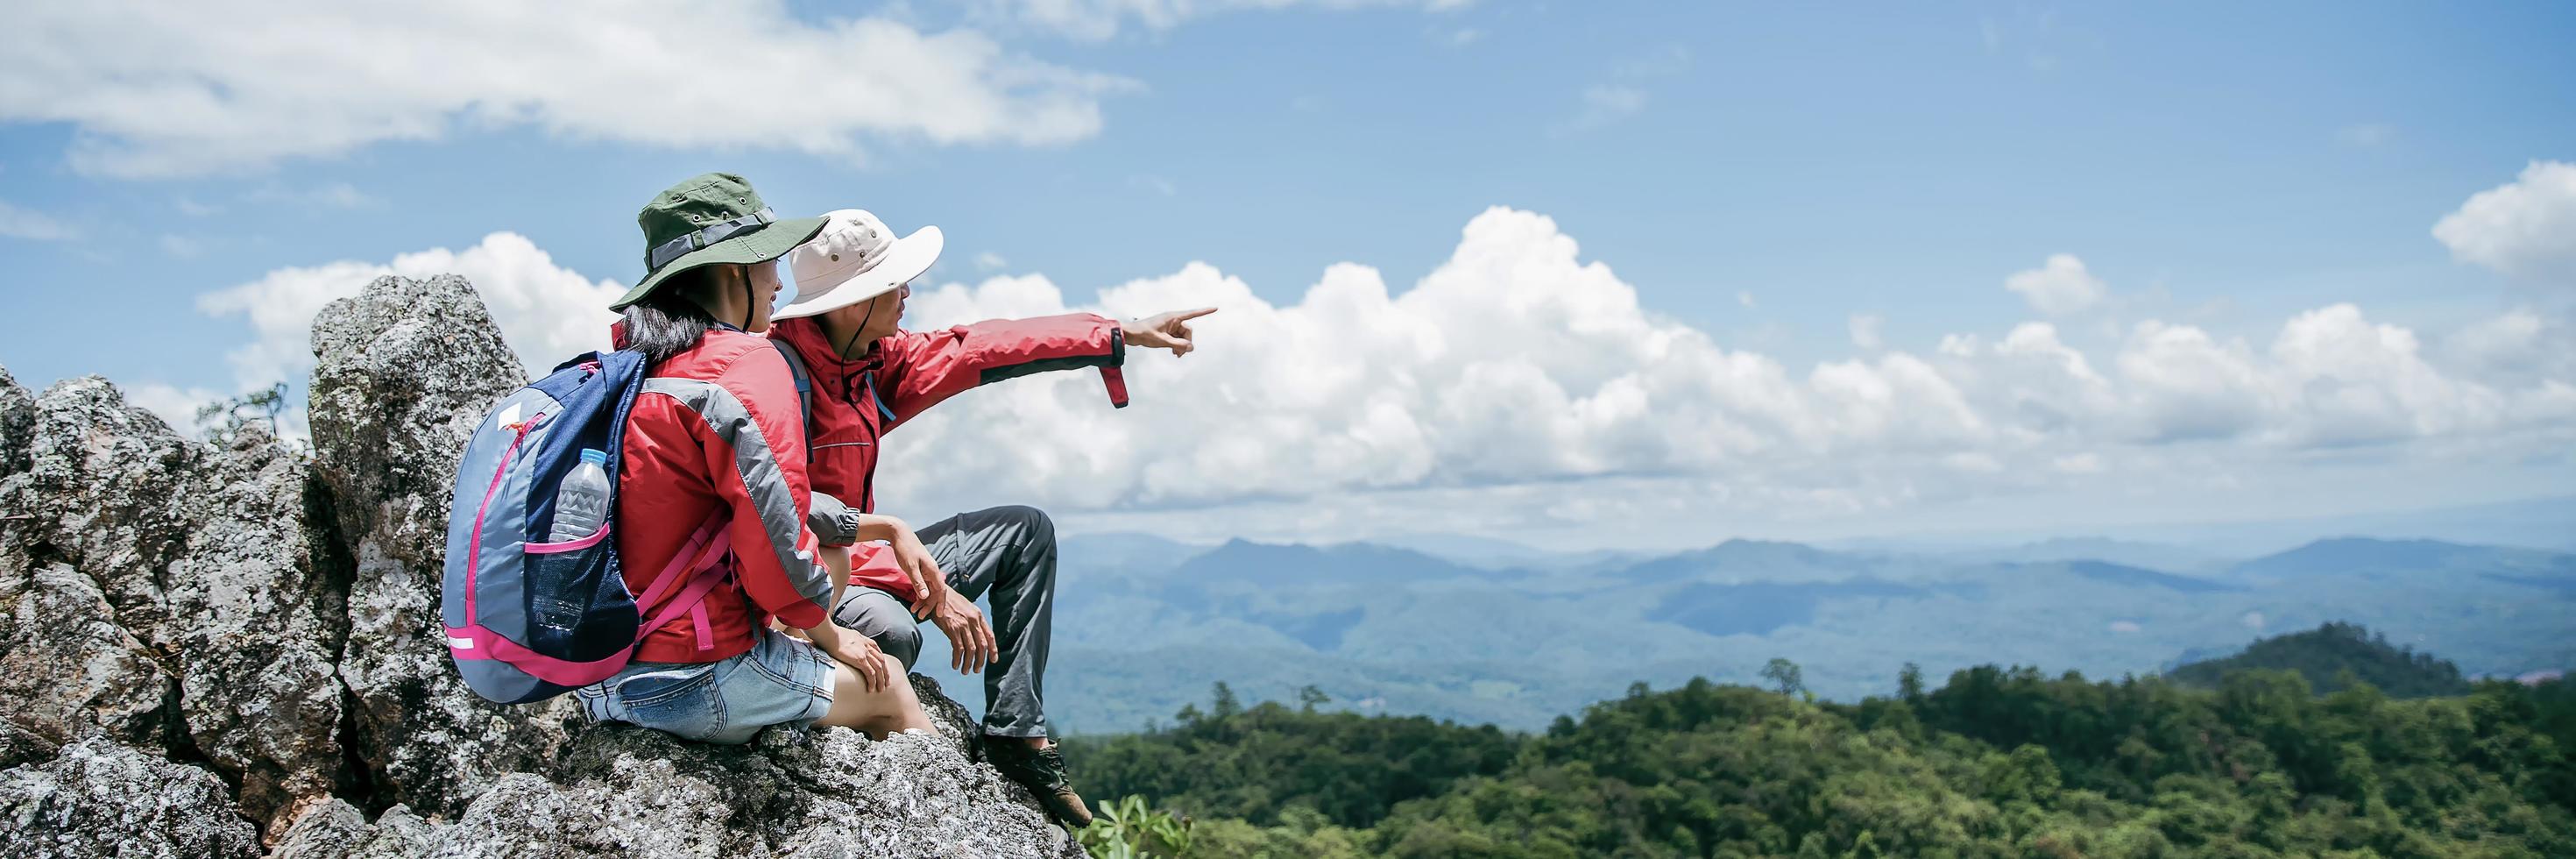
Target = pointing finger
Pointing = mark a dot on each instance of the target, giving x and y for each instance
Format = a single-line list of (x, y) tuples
[(1194, 314)]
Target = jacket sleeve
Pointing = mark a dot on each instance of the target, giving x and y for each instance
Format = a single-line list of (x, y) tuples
[(757, 456), (833, 523), (921, 368)]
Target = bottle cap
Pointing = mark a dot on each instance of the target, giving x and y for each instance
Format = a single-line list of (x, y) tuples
[(594, 456)]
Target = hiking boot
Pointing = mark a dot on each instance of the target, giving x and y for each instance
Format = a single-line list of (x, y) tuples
[(1042, 771)]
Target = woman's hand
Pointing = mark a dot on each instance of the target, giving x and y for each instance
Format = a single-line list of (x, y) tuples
[(854, 650), (1164, 330)]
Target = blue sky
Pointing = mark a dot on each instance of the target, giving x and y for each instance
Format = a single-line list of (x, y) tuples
[(1771, 176)]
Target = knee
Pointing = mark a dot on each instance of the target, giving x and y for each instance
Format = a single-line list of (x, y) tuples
[(1031, 521), (902, 644)]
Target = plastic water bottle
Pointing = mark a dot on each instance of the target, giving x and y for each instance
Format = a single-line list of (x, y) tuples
[(581, 504)]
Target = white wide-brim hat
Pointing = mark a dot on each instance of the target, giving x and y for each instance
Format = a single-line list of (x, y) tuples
[(855, 258)]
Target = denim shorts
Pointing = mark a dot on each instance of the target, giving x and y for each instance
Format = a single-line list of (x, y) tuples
[(779, 681)]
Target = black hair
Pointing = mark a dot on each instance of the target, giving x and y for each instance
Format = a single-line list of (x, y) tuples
[(671, 321)]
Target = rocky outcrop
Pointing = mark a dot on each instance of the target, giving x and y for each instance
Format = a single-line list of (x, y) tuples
[(98, 798), (236, 652)]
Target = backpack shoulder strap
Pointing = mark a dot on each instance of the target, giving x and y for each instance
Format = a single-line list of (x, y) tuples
[(804, 389)]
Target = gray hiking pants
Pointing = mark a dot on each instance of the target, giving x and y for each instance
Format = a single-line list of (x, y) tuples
[(1009, 551)]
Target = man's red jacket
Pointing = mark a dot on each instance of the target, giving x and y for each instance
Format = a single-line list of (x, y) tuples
[(717, 434), (856, 402)]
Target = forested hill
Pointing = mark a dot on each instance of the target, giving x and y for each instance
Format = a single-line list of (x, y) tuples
[(2334, 656), (1996, 762)]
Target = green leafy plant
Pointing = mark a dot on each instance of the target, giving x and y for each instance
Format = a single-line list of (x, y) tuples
[(1128, 829)]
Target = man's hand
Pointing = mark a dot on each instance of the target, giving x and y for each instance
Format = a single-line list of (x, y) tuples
[(1165, 330), (971, 645), (854, 650), (928, 583)]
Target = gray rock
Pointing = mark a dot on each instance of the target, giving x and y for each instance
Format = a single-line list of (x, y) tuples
[(328, 829), (404, 371), (257, 626), (68, 671), (106, 490), (21, 746), (100, 799), (207, 575), (623, 791), (17, 420)]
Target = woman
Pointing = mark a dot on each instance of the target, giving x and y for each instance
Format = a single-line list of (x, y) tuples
[(714, 451)]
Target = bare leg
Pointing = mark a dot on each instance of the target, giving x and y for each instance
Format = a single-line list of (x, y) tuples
[(875, 713)]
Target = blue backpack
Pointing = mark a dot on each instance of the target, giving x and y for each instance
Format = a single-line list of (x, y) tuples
[(529, 620)]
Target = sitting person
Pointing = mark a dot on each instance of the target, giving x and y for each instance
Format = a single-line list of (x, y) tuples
[(868, 376), (718, 430)]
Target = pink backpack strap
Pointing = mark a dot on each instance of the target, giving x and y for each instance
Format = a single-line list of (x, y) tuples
[(700, 564), (704, 547)]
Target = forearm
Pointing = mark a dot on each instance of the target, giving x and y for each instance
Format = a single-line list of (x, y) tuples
[(869, 527)]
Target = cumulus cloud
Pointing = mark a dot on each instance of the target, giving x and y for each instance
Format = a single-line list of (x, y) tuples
[(1865, 331), (336, 195), (545, 312), (157, 89), (1095, 20), (2525, 229), (177, 406), (1516, 364), (36, 226), (1519, 381), (1604, 104), (2059, 287)]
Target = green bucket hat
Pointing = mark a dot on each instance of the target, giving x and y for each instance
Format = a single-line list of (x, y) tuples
[(711, 219)]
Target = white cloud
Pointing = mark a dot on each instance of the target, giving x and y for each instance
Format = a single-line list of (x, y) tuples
[(157, 89), (1604, 104), (2252, 620), (2125, 626), (1517, 365), (2059, 287), (546, 313), (2365, 135), (34, 226), (1096, 20), (989, 261), (1520, 383), (1744, 297), (1864, 331), (2525, 229), (336, 195), (1668, 60), (177, 406), (181, 246), (2520, 345)]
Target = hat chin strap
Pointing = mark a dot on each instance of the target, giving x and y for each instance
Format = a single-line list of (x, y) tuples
[(844, 348)]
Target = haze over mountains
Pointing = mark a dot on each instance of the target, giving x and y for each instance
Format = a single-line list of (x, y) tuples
[(1145, 625)]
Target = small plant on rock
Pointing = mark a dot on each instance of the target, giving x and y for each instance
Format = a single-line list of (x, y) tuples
[(1127, 829)]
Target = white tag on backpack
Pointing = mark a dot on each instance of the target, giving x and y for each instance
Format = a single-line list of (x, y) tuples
[(460, 643), (508, 416)]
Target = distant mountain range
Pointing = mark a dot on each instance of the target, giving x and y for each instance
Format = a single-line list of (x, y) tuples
[(1453, 630)]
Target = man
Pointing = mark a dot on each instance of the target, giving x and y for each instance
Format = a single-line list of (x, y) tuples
[(869, 376)]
